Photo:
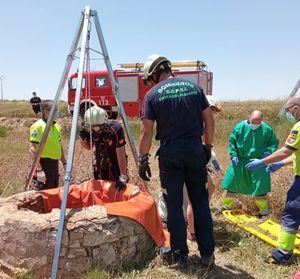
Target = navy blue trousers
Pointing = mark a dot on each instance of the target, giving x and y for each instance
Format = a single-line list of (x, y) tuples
[(182, 161), (290, 219), (291, 214)]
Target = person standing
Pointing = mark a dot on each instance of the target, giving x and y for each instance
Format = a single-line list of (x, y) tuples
[(52, 152), (215, 106), (108, 138), (288, 154), (213, 166), (179, 108), (35, 102), (249, 139)]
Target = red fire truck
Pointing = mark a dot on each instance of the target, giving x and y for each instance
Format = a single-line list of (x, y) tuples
[(97, 89)]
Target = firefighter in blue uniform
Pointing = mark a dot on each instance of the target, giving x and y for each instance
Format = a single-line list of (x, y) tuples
[(179, 108)]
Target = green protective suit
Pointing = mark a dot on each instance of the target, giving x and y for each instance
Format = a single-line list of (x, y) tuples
[(247, 144)]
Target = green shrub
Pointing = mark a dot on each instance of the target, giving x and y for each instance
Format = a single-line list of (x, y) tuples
[(96, 274), (3, 131), (21, 275)]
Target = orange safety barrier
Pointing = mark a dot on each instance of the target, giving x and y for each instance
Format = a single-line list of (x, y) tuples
[(131, 202)]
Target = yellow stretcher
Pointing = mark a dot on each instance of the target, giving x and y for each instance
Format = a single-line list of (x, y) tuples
[(266, 230)]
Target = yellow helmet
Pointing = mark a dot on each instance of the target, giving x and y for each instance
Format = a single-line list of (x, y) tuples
[(95, 116), (153, 62)]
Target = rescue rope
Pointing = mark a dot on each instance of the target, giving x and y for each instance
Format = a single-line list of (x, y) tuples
[(76, 162), (6, 187), (88, 95)]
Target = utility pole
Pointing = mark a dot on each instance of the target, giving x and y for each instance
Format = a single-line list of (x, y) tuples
[(1, 80)]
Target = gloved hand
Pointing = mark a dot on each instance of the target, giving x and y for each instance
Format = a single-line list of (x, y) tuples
[(216, 165), (265, 154), (235, 161), (144, 169), (274, 166), (254, 164), (41, 176), (121, 183), (84, 134), (207, 150)]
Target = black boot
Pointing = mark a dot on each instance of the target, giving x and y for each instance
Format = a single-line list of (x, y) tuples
[(206, 265), (181, 259)]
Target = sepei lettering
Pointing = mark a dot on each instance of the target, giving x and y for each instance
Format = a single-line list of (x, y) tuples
[(175, 84)]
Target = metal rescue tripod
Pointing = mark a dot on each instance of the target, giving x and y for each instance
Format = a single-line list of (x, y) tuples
[(295, 89), (83, 30), (292, 94)]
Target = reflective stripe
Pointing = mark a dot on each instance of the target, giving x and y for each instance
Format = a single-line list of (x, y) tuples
[(289, 230), (228, 202), (263, 205), (286, 241)]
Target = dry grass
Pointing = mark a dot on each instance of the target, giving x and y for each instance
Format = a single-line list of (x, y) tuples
[(239, 255), (23, 108)]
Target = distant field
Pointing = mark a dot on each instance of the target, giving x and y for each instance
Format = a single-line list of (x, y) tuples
[(242, 251), (23, 108)]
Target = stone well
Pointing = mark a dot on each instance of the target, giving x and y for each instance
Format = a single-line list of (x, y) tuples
[(90, 238)]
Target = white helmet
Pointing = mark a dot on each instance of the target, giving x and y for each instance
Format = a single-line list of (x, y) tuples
[(213, 102), (95, 116), (152, 63)]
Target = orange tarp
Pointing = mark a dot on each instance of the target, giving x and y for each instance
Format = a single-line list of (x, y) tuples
[(132, 203)]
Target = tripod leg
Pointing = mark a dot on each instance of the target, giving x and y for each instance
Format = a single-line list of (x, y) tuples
[(84, 30)]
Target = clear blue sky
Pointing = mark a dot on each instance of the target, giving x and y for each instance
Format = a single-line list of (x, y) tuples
[(252, 47)]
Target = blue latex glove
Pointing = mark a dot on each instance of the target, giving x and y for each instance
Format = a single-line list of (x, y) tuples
[(274, 166), (235, 161), (254, 164), (216, 165), (265, 154), (121, 183)]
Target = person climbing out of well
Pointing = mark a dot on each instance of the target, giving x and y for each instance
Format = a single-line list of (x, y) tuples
[(107, 136)]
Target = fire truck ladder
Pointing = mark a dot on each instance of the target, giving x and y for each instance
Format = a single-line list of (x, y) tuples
[(176, 64), (82, 31)]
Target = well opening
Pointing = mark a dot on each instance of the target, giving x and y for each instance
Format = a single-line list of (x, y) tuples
[(96, 233)]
